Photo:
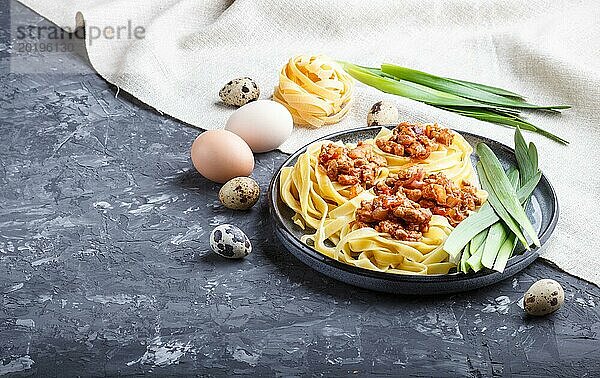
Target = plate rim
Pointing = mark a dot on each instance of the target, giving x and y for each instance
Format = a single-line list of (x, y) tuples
[(281, 230)]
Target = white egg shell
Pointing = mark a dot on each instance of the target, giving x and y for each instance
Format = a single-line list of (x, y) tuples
[(543, 297), (240, 193), (229, 241), (382, 113), (239, 91), (263, 124)]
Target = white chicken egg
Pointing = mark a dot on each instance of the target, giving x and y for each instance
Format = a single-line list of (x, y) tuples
[(263, 124)]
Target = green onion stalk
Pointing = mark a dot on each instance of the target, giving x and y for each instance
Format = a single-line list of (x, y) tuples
[(469, 99)]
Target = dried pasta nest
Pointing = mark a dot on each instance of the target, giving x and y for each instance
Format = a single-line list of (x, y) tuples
[(315, 89)]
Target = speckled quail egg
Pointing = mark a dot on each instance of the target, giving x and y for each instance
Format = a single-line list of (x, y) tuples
[(382, 113), (239, 92), (229, 241), (543, 297), (240, 193)]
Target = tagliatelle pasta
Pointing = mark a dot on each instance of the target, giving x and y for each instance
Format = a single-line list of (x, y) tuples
[(327, 207), (315, 89), (453, 160), (308, 191)]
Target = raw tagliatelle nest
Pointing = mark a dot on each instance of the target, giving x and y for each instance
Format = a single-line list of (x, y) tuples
[(315, 89)]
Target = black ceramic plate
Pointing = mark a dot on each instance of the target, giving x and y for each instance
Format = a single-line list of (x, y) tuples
[(542, 211)]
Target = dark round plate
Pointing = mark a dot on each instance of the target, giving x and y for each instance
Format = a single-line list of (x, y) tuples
[(542, 211)]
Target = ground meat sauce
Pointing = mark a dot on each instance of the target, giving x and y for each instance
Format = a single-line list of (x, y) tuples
[(356, 167), (396, 215), (435, 192), (415, 141)]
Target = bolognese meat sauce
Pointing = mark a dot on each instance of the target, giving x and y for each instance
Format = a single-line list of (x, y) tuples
[(396, 215), (435, 192), (357, 167), (415, 141)]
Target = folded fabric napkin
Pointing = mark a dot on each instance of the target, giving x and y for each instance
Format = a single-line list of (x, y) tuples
[(547, 51)]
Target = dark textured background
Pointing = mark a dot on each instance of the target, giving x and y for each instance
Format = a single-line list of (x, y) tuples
[(105, 267)]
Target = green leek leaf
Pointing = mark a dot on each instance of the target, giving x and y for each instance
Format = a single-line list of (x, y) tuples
[(475, 260), (527, 159), (500, 112), (464, 258), (484, 218), (488, 88), (496, 236), (503, 119), (500, 185), (498, 206), (505, 252), (458, 89), (498, 232), (407, 89)]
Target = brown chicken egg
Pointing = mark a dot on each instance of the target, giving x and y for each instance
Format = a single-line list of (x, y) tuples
[(220, 155)]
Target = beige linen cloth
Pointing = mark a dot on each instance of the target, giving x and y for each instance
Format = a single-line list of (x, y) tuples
[(548, 51)]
